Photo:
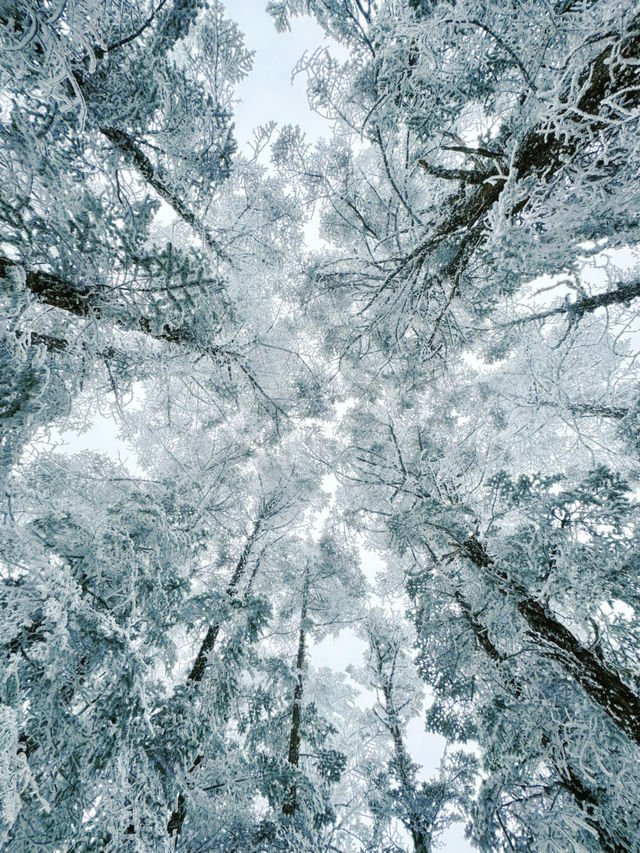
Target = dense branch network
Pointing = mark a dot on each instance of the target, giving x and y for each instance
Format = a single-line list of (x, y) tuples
[(161, 629)]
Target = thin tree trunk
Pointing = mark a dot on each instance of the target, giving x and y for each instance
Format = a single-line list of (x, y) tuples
[(420, 837), (414, 820), (197, 671), (199, 665), (290, 802), (128, 147)]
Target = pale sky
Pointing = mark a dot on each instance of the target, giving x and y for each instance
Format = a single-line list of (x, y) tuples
[(268, 94)]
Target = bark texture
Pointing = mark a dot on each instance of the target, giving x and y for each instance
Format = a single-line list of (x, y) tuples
[(600, 683)]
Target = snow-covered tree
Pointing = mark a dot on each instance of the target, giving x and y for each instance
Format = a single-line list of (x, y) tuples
[(472, 307)]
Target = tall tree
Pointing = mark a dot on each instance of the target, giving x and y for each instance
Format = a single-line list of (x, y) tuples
[(538, 569), (158, 688), (495, 133), (423, 808), (96, 571)]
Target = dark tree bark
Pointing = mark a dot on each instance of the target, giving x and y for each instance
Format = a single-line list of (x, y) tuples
[(198, 669), (622, 295), (569, 775), (77, 299), (80, 300), (290, 802), (600, 683), (616, 413), (539, 154), (415, 821)]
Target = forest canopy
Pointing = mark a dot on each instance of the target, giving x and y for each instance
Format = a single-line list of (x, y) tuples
[(444, 384)]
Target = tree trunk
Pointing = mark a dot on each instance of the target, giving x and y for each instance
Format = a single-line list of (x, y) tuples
[(80, 300), (569, 775), (415, 822), (539, 153), (290, 804), (199, 665), (586, 410), (600, 683), (196, 674)]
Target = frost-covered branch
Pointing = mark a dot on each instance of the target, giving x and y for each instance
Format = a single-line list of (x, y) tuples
[(134, 155)]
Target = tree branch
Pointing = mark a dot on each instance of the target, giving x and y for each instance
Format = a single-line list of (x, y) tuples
[(539, 153), (132, 152), (469, 176), (622, 295), (80, 300)]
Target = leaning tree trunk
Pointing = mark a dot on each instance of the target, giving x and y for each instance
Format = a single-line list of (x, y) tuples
[(569, 774), (614, 74), (600, 683), (133, 154)]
